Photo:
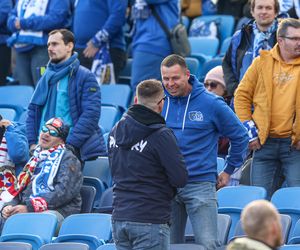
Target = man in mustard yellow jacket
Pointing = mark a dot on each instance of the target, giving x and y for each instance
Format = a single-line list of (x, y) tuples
[(267, 101)]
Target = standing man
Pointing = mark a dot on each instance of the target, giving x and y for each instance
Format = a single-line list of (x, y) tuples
[(150, 43), (70, 91), (198, 118), (262, 225), (246, 43), (147, 167), (105, 21), (271, 87)]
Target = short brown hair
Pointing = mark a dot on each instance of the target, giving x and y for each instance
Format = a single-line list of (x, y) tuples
[(285, 23), (172, 60), (67, 35), (276, 5)]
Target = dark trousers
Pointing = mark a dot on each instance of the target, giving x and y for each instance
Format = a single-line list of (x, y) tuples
[(5, 61)]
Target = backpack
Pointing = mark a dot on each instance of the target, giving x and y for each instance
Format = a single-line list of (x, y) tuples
[(204, 28)]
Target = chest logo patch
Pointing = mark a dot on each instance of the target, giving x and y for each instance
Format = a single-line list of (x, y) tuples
[(196, 116)]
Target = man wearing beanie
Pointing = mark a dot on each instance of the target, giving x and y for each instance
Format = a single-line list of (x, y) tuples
[(51, 179), (70, 91)]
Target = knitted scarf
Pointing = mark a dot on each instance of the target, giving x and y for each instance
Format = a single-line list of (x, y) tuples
[(46, 90), (261, 39), (49, 161)]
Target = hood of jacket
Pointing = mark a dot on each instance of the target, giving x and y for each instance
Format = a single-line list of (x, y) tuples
[(140, 123), (276, 55)]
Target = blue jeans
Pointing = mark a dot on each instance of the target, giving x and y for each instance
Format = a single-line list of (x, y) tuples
[(27, 64), (135, 235), (198, 201), (275, 158)]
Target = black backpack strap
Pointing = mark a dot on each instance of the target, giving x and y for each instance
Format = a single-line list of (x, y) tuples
[(160, 21)]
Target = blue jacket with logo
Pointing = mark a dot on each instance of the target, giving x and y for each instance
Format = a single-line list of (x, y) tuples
[(198, 120), (146, 166), (149, 36), (85, 108)]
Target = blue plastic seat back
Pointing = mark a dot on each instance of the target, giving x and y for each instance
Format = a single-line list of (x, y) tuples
[(185, 21), (290, 247), (11, 112), (287, 201), (207, 46), (88, 194), (224, 46), (93, 224), (15, 246), (110, 246), (116, 94), (224, 222), (99, 168), (226, 24), (16, 95), (41, 228), (193, 65), (208, 65), (98, 185), (186, 247), (239, 196), (110, 115), (105, 205), (65, 246), (295, 234)]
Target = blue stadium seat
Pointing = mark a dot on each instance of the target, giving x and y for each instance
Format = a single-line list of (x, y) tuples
[(226, 26), (65, 246), (88, 194), (15, 246), (105, 205), (11, 112), (91, 229), (107, 247), (186, 247), (290, 247), (98, 185), (295, 234), (224, 222), (204, 46), (232, 200), (193, 65), (39, 231), (100, 169), (16, 95), (186, 22), (224, 46), (116, 94), (110, 115), (287, 201), (208, 65)]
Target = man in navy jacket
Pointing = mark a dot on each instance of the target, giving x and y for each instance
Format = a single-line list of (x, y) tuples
[(147, 167), (70, 91)]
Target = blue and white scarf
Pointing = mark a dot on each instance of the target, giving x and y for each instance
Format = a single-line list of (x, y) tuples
[(26, 9), (261, 39), (103, 67)]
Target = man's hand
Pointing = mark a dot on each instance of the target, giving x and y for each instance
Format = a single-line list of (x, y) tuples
[(255, 145), (17, 24), (19, 209), (90, 51), (297, 146), (223, 180), (5, 123), (7, 211)]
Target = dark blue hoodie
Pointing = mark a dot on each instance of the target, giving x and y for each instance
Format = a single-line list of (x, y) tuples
[(146, 166), (197, 121)]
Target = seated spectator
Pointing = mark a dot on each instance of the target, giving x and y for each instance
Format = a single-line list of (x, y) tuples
[(50, 181), (261, 223), (14, 152)]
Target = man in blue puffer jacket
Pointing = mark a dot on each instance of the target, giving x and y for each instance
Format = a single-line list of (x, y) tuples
[(30, 22), (70, 91)]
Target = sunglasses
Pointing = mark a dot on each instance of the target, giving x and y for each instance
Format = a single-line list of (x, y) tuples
[(162, 99), (52, 132), (212, 85)]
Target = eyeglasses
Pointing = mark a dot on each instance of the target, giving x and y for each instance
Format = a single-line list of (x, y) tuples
[(294, 39), (52, 132), (212, 85), (162, 99)]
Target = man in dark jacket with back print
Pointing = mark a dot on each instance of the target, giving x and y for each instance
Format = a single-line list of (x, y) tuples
[(147, 167)]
